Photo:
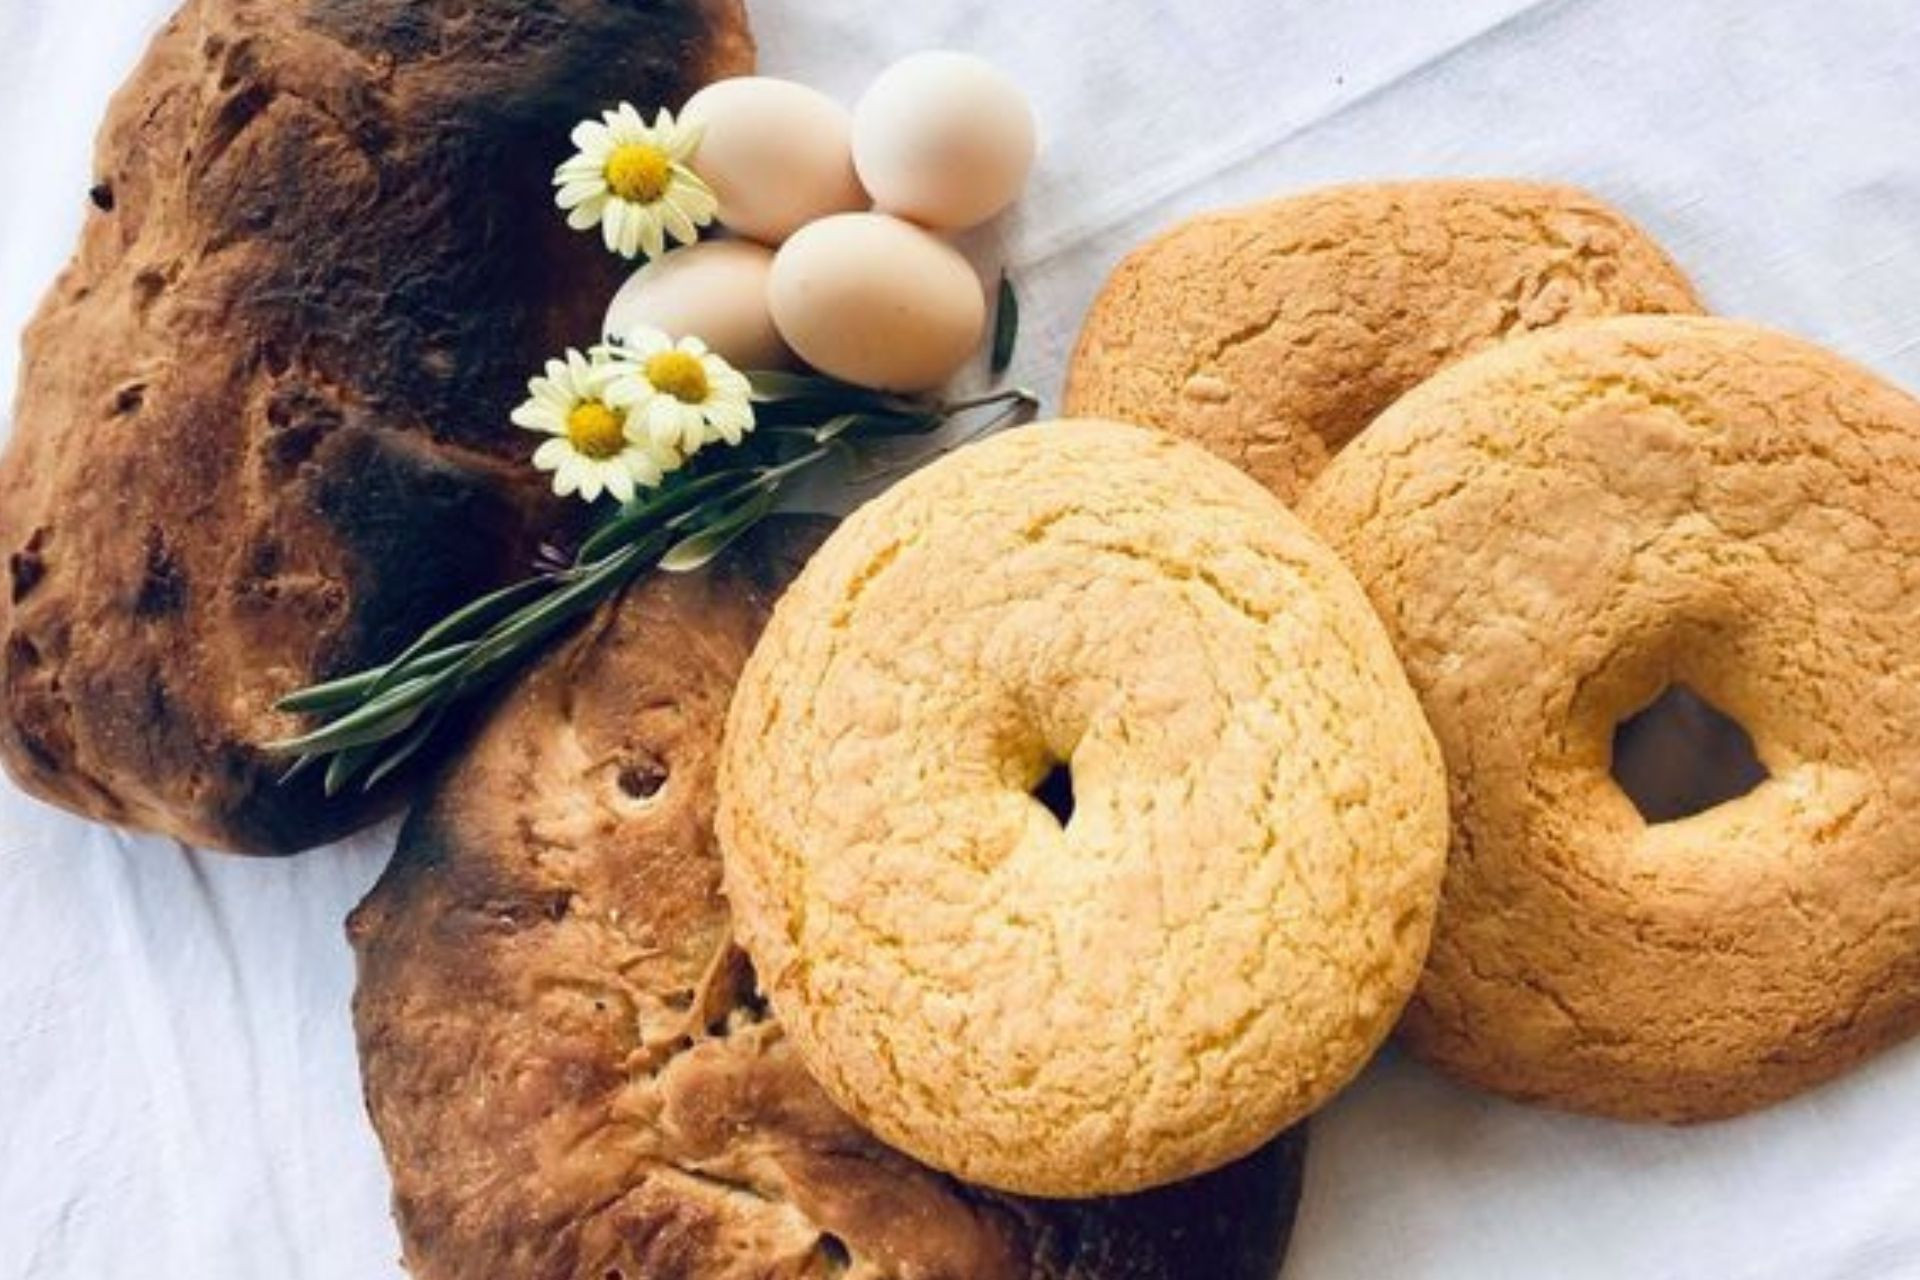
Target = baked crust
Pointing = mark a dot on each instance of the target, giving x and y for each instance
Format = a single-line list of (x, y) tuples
[(261, 435), (1274, 333), (1225, 927), (1557, 530), (566, 1058)]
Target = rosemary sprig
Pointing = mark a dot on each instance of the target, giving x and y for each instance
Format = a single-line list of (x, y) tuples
[(374, 721)]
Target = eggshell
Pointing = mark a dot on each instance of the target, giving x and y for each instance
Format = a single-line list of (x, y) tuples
[(777, 154), (943, 138), (878, 302), (715, 291)]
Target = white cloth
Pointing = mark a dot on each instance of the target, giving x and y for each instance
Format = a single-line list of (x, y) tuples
[(178, 1096)]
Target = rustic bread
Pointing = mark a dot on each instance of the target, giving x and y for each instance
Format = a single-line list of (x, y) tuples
[(566, 1057), (261, 435)]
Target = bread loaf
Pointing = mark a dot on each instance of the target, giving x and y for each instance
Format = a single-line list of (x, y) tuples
[(568, 1062), (261, 435)]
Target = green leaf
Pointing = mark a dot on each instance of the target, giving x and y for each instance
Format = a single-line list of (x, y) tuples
[(357, 688), (698, 549), (772, 385), (408, 748), (833, 428), (390, 713), (635, 517), (478, 618), (299, 766), (344, 765), (519, 634), (785, 397), (1006, 326)]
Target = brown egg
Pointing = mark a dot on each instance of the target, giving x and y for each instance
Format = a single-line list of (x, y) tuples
[(876, 301), (777, 154), (715, 291), (943, 138)]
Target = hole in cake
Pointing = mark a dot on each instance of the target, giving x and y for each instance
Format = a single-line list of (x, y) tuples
[(834, 1250), (1680, 755), (642, 779), (1055, 791)]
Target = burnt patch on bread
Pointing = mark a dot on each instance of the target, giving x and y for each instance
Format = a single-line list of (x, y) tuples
[(163, 585), (423, 534), (330, 264), (27, 566)]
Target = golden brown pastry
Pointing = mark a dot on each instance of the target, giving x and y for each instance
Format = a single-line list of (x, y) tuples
[(1272, 334), (1557, 531), (570, 1067), (262, 432), (1221, 930)]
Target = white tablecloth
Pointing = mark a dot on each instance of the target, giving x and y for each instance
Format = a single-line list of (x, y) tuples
[(178, 1096)]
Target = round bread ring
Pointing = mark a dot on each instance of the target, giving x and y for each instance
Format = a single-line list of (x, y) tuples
[(1273, 334), (1554, 532), (1235, 912)]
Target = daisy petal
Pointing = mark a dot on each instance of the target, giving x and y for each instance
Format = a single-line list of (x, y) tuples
[(619, 482), (579, 192), (678, 225), (591, 136), (645, 340), (583, 216), (685, 139), (613, 225)]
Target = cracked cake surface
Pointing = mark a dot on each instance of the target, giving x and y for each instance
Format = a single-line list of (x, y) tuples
[(567, 1060), (1555, 532), (1273, 334), (1228, 922)]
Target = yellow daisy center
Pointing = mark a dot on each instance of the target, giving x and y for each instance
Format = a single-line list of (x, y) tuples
[(595, 431), (677, 374), (638, 173)]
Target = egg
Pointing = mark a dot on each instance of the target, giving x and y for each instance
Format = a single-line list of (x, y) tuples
[(715, 291), (876, 301), (944, 139), (777, 154)]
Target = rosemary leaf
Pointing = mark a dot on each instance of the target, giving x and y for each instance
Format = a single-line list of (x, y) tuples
[(527, 628), (834, 428), (346, 765), (474, 618), (373, 719), (1006, 326), (299, 766), (408, 748), (636, 516), (699, 548), (354, 689)]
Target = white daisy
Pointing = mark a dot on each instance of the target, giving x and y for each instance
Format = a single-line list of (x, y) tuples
[(632, 180), (593, 448), (681, 396)]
